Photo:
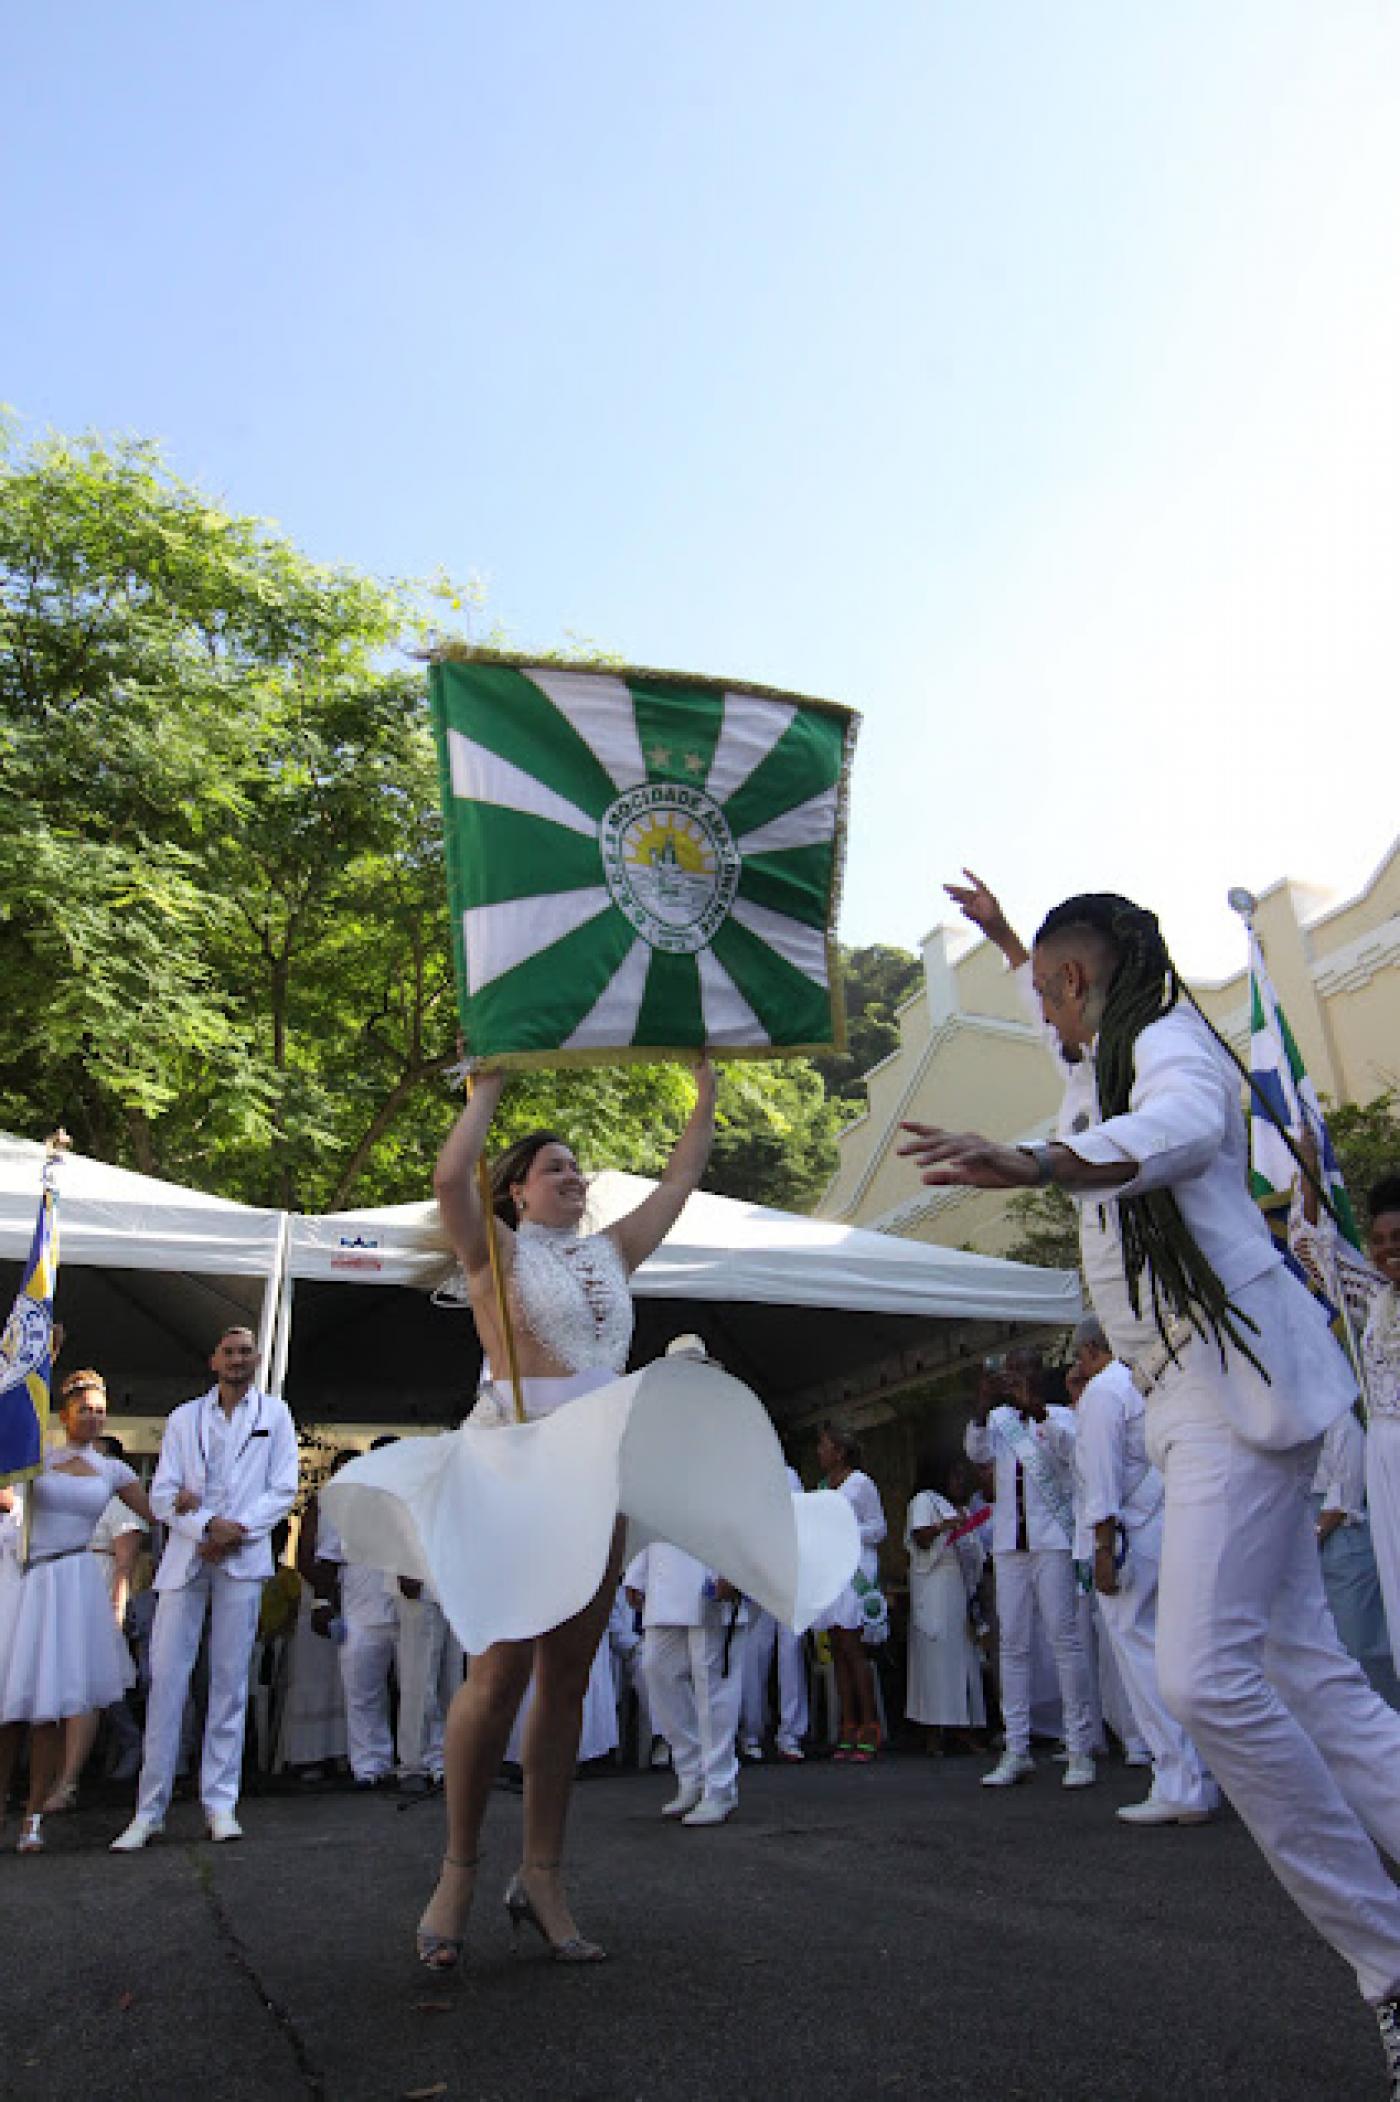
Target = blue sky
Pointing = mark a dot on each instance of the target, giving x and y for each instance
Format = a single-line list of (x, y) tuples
[(1024, 374)]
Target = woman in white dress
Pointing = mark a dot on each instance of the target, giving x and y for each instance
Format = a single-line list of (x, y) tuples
[(61, 1652), (838, 1456), (517, 1525), (945, 1671)]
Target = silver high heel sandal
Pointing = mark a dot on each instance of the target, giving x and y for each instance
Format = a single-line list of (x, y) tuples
[(442, 1952), (31, 1837), (520, 1906)]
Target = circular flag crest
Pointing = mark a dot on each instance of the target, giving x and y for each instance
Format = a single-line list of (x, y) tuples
[(24, 1344), (670, 864)]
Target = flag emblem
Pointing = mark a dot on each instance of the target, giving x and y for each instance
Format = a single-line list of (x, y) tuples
[(26, 1362), (671, 865), (639, 863)]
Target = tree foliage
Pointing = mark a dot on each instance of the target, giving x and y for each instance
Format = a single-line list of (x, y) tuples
[(878, 979), (223, 919)]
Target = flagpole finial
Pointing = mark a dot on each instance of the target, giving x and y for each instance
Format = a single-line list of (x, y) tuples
[(1243, 902)]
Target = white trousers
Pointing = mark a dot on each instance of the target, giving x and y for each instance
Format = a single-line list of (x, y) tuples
[(1129, 1623), (430, 1671), (1383, 1504), (231, 1604), (1248, 1661), (695, 1702), (1027, 1579), (365, 1657), (763, 1633)]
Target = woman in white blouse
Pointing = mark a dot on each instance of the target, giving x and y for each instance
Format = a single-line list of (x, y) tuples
[(1371, 1293), (838, 1456), (945, 1671), (61, 1652)]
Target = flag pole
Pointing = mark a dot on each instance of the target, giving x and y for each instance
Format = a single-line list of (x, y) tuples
[(55, 1146), (1245, 904), (498, 1275)]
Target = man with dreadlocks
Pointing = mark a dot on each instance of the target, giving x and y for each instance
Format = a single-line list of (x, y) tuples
[(1241, 1377)]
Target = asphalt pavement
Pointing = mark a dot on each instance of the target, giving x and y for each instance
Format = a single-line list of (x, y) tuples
[(852, 1934)]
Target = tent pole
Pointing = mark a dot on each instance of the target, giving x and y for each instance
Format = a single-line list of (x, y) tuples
[(498, 1279), (272, 1352)]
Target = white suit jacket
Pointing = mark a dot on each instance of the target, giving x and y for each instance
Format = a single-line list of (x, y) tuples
[(263, 1485)]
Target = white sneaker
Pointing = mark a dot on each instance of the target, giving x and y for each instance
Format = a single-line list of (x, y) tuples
[(1080, 1772), (1138, 1755), (224, 1825), (790, 1754), (1010, 1768), (752, 1749), (1154, 1809), (712, 1809), (684, 1799), (135, 1836)]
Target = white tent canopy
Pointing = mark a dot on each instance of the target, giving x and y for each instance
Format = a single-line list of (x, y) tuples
[(811, 1313), (149, 1272)]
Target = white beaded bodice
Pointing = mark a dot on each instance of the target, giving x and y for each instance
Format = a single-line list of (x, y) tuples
[(571, 1293)]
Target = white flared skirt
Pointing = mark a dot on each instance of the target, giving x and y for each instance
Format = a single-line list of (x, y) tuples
[(512, 1523), (61, 1652)]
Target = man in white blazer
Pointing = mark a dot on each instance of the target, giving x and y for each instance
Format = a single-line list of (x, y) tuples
[(227, 1474)]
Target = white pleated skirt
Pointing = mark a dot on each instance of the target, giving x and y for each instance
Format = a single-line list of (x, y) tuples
[(61, 1652), (512, 1523)]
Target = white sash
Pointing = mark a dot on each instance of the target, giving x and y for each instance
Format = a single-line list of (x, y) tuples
[(1050, 1475)]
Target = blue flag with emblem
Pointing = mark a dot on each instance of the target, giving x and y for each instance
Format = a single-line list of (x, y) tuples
[(26, 1347)]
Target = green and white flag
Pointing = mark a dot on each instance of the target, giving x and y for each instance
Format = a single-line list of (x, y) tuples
[(639, 863), (1279, 1078)]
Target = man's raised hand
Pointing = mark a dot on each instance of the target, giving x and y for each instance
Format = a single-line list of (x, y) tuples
[(980, 905)]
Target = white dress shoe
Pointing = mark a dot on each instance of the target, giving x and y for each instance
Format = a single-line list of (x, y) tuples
[(684, 1799), (135, 1836), (1080, 1773), (1009, 1769), (1138, 1756), (224, 1825), (1156, 1810), (712, 1810)]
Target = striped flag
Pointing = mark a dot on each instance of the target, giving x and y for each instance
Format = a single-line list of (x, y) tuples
[(639, 863), (1278, 1074), (26, 1348)]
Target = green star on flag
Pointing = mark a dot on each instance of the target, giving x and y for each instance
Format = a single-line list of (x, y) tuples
[(639, 863)]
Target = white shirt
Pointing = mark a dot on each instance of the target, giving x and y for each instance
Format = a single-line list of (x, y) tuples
[(673, 1584), (368, 1598), (1340, 1479), (1113, 1477), (260, 1466), (989, 1442)]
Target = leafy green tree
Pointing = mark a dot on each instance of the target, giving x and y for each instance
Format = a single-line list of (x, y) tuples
[(877, 979), (1367, 1142), (223, 919)]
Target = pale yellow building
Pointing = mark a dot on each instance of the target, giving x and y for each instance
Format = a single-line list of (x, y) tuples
[(969, 1059)]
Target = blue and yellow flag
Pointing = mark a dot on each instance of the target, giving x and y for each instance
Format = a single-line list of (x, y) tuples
[(26, 1348)]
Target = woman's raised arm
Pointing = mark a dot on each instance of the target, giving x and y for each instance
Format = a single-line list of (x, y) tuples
[(642, 1231), (454, 1177)]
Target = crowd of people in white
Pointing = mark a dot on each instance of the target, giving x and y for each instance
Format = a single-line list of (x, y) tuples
[(1028, 1580)]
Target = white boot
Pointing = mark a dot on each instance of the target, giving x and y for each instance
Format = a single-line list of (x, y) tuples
[(135, 1836), (713, 1809), (1010, 1768), (1080, 1772), (685, 1798)]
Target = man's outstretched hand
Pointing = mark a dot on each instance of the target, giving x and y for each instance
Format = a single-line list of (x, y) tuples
[(967, 1159)]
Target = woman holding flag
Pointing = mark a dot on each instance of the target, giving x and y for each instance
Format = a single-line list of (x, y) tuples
[(518, 1524)]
